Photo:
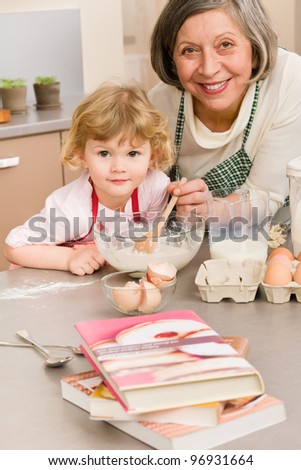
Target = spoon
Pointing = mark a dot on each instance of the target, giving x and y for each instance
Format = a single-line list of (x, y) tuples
[(147, 245), (51, 361), (74, 349)]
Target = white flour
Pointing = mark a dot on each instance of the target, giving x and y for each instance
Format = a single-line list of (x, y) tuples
[(32, 291), (126, 259)]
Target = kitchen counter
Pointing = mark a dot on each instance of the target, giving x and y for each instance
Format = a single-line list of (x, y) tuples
[(42, 121), (48, 303)]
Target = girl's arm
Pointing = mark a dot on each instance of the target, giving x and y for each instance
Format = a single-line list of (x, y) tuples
[(85, 259)]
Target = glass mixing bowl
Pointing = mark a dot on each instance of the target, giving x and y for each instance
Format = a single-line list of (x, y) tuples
[(119, 241)]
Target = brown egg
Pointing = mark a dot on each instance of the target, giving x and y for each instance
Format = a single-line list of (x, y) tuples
[(299, 256), (277, 275), (297, 274), (282, 259), (281, 250)]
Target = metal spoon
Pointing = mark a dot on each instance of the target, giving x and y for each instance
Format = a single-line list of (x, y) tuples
[(74, 349), (51, 361)]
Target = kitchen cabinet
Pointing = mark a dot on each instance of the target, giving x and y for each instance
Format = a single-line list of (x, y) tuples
[(25, 185)]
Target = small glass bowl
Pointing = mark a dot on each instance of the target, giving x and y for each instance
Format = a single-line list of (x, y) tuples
[(135, 299)]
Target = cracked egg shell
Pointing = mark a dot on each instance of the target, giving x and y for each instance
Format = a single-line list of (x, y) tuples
[(156, 281), (128, 297), (161, 273), (151, 297)]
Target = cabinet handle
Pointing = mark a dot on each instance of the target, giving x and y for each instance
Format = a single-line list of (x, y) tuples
[(9, 162)]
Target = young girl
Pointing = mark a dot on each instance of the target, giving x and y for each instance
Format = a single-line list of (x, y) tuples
[(122, 142)]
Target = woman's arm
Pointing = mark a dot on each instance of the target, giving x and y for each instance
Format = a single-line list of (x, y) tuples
[(84, 259)]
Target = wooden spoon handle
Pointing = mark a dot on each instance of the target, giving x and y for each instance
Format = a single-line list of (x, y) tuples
[(169, 207), (172, 201)]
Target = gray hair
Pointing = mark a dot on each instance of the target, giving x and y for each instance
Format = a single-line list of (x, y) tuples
[(250, 16)]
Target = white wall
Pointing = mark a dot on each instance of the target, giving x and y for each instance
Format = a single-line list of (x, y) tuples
[(102, 41), (283, 14), (102, 36), (139, 17)]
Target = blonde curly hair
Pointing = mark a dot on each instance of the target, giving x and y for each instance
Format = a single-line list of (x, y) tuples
[(112, 110)]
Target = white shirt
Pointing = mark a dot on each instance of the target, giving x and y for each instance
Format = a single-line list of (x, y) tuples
[(275, 137), (67, 211)]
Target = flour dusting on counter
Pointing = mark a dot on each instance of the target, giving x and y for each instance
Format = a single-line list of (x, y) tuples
[(33, 291)]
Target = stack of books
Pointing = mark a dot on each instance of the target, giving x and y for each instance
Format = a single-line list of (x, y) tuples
[(171, 381)]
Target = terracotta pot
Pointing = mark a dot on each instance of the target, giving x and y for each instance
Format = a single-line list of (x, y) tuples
[(4, 115), (47, 96), (14, 99)]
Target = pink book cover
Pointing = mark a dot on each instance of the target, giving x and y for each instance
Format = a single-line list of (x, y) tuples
[(163, 348)]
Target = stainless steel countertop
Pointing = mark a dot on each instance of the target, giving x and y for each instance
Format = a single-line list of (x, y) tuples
[(42, 121), (48, 303)]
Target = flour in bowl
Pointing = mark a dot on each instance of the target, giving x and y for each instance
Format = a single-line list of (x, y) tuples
[(125, 259)]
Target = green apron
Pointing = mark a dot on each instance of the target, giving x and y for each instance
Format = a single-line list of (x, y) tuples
[(230, 173)]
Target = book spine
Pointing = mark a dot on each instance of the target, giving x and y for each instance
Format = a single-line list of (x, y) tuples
[(107, 384)]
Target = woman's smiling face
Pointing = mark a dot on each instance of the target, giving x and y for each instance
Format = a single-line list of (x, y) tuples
[(214, 60)]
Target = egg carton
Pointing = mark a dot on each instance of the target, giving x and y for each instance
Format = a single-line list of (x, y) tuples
[(282, 294), (219, 279)]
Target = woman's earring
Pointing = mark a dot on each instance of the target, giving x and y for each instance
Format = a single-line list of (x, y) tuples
[(173, 67)]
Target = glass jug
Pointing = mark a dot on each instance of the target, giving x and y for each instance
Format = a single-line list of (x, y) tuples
[(294, 174), (238, 230)]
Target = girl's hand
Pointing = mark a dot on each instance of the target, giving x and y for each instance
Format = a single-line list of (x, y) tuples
[(192, 196), (85, 259)]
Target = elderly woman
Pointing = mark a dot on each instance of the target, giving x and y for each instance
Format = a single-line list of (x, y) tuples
[(231, 95)]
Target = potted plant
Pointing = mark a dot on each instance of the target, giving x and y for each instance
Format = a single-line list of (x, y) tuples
[(13, 94), (47, 92)]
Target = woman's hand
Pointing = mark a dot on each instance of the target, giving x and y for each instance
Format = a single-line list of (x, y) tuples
[(192, 196), (85, 259)]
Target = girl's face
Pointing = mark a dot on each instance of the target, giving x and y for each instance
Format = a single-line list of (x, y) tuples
[(116, 167), (213, 60)]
